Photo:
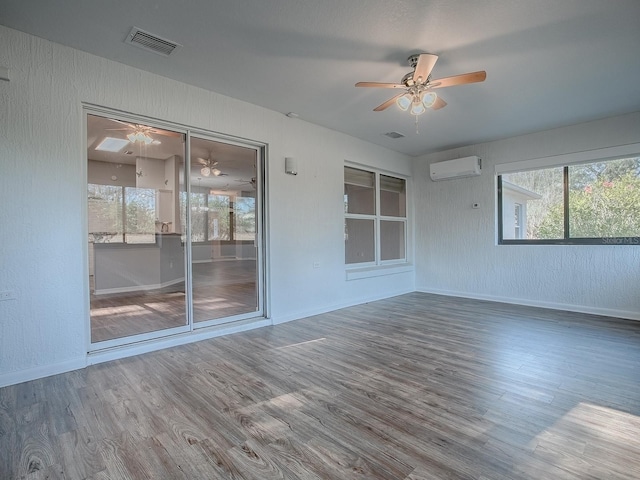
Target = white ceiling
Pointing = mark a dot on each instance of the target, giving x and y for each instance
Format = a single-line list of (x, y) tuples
[(549, 62)]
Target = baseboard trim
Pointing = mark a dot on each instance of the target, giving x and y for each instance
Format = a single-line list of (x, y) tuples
[(605, 312), (115, 353), (336, 306), (138, 288), (20, 376)]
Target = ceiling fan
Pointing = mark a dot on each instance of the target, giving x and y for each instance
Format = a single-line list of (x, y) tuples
[(142, 133), (209, 167), (251, 182), (417, 86)]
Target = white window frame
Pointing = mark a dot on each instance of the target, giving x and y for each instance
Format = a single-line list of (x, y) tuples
[(378, 266)]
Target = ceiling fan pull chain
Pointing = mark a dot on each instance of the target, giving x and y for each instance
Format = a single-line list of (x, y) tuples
[(417, 132)]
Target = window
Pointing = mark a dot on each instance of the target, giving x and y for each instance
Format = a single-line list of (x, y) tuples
[(518, 217), (121, 214), (588, 203), (221, 217), (375, 226)]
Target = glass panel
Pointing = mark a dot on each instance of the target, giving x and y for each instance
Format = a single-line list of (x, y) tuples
[(392, 240), (533, 200), (218, 218), (359, 191), (105, 213), (136, 257), (604, 199), (359, 238), (393, 196), (224, 230), (140, 215)]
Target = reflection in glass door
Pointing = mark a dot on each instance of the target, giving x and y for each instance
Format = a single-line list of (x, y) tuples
[(136, 253), (172, 246), (225, 228)]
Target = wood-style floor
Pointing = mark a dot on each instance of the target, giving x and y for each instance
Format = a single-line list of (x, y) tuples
[(220, 289), (414, 387)]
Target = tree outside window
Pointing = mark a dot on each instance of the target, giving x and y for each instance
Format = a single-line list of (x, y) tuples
[(598, 202)]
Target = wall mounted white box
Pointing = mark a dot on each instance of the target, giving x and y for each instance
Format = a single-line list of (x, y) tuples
[(456, 168)]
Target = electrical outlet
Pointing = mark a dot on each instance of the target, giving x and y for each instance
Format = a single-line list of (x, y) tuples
[(7, 295)]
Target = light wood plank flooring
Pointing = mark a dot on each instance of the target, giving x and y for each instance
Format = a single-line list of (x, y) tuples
[(220, 289), (414, 387)]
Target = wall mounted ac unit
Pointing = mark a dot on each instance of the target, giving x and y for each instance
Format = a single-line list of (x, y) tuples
[(459, 167)]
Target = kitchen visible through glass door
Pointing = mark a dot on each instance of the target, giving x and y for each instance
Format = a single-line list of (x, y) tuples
[(225, 231), (135, 182)]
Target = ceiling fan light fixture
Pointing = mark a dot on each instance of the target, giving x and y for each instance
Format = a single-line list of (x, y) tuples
[(417, 107), (216, 172), (139, 137), (428, 99), (205, 171), (404, 102)]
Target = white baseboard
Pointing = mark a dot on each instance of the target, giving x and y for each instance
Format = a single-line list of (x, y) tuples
[(606, 312), (13, 378), (336, 306), (138, 288), (206, 333)]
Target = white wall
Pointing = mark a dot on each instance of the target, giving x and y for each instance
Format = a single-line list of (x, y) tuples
[(43, 238), (456, 251)]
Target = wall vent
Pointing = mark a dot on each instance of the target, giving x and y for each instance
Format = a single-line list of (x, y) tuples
[(151, 42), (394, 135)]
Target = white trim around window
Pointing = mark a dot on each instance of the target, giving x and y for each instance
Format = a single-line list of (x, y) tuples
[(376, 211)]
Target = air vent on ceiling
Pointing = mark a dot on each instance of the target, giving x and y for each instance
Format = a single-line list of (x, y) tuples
[(151, 42), (394, 135)]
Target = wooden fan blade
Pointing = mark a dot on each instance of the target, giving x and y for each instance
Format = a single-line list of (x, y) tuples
[(438, 104), (379, 85), (472, 77), (388, 103), (425, 64)]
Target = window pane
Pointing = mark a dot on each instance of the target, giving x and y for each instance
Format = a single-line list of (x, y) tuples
[(359, 191), (359, 239), (199, 210), (604, 199), (245, 218), (392, 240), (219, 217), (105, 213), (393, 197), (532, 205), (140, 205)]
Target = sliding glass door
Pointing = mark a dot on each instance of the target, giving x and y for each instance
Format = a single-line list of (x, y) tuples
[(225, 258), (172, 245), (136, 256)]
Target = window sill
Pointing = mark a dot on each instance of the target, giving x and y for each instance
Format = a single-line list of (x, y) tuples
[(378, 271)]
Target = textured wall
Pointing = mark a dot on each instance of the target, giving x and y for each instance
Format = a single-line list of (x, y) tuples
[(456, 251), (43, 237)]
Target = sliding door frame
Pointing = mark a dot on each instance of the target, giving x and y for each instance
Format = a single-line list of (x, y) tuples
[(261, 230)]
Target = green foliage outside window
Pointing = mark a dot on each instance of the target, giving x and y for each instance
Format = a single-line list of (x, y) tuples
[(602, 201)]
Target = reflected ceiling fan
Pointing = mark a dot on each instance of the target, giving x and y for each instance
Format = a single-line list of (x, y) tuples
[(251, 182), (209, 167), (142, 133), (417, 86)]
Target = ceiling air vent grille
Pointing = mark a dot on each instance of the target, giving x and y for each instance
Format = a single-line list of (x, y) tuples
[(151, 42), (394, 135)]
